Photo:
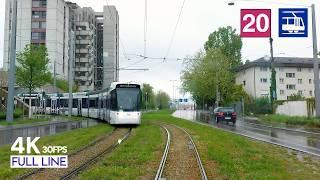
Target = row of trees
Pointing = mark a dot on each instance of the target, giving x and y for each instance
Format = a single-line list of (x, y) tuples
[(152, 100), (209, 74)]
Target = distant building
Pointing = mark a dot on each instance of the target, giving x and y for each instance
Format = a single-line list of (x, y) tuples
[(110, 45), (40, 22), (50, 22), (293, 76)]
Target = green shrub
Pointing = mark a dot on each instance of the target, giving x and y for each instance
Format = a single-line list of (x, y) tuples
[(16, 114), (260, 105)]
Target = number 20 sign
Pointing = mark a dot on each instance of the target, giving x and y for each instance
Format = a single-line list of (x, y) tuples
[(255, 23)]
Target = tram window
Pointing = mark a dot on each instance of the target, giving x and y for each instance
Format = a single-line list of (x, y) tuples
[(113, 100), (75, 103), (48, 103), (92, 103), (64, 102), (84, 103)]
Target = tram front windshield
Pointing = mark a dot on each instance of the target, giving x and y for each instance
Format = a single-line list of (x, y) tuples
[(128, 99)]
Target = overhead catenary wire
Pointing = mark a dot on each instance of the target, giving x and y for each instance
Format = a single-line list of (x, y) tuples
[(175, 29)]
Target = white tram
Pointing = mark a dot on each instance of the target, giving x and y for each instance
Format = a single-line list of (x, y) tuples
[(119, 104)]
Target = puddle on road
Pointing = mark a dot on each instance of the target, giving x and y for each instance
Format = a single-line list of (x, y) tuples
[(8, 136)]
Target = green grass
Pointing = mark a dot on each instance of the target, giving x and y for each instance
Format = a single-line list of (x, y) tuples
[(74, 140), (136, 158), (291, 120), (236, 157)]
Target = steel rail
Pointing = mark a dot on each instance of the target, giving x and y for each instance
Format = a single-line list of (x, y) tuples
[(201, 168), (93, 160), (164, 156)]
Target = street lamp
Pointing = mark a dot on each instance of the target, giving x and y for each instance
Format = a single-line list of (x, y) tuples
[(315, 56)]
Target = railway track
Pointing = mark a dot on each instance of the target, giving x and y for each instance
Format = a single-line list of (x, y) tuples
[(180, 159), (81, 159)]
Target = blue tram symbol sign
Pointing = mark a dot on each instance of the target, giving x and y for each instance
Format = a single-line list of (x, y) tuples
[(293, 22)]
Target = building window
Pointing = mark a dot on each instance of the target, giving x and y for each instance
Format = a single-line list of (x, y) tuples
[(281, 92), (39, 3), (299, 69), (244, 83), (39, 14), (291, 86), (299, 81), (290, 75), (38, 25), (300, 92), (310, 93), (263, 80), (264, 69), (38, 36), (281, 80), (310, 81), (281, 69)]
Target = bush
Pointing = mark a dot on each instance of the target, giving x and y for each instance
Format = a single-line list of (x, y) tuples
[(260, 105), (16, 114)]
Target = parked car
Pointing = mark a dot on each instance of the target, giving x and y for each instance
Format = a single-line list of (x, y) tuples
[(227, 114)]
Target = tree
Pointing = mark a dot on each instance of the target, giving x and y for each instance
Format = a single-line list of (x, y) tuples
[(229, 42), (162, 100), (207, 73), (148, 97), (32, 70)]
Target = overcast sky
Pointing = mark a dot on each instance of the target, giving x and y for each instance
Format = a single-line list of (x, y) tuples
[(199, 18)]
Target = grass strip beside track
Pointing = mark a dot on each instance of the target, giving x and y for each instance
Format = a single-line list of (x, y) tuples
[(291, 120), (74, 140), (136, 158), (226, 155)]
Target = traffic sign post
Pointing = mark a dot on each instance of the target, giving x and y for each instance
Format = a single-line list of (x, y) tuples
[(293, 22), (255, 23)]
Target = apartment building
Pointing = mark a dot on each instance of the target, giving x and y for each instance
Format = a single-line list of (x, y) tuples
[(293, 76), (50, 22), (110, 45), (40, 22), (85, 45)]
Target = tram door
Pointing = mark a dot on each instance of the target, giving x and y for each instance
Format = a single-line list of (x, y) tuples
[(79, 107), (54, 106)]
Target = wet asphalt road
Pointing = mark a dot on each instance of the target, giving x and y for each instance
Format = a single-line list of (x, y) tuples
[(10, 133), (300, 140)]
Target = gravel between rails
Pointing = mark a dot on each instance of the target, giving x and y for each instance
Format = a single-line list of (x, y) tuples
[(81, 157), (181, 161)]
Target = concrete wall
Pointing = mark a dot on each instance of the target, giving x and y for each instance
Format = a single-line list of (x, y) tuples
[(293, 108)]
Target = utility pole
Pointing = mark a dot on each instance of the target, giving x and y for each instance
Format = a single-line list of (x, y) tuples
[(12, 70), (70, 75), (273, 92), (315, 62), (54, 75), (146, 98), (173, 98)]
